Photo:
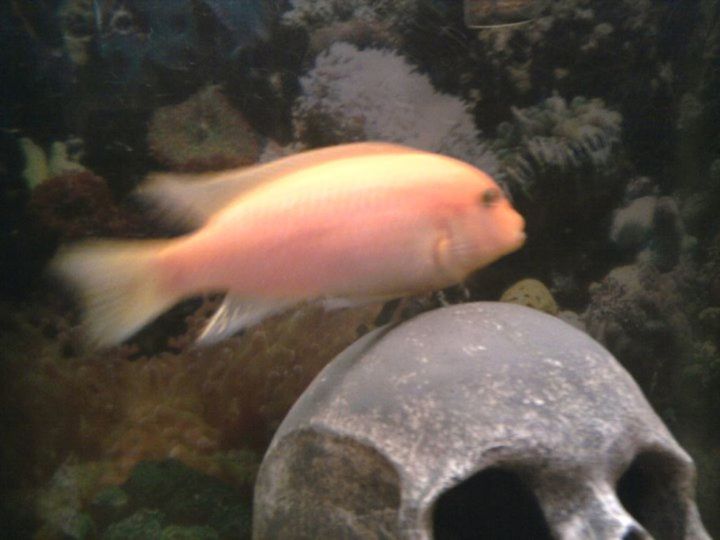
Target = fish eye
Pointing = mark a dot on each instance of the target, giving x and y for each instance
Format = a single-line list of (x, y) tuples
[(490, 197)]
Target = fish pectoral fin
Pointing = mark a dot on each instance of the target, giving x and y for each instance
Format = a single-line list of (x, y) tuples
[(448, 254), (235, 314)]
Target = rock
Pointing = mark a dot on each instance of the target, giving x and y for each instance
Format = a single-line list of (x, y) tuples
[(531, 293)]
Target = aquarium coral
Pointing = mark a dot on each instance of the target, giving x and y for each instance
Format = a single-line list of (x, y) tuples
[(315, 14), (354, 95), (650, 226), (563, 160), (641, 315), (117, 408), (62, 501), (116, 36), (240, 24), (126, 37), (556, 137), (204, 132), (62, 158), (601, 119), (663, 324), (361, 22), (608, 50), (160, 499), (77, 20), (77, 205)]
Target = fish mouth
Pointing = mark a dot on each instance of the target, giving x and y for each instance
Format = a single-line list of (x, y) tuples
[(513, 244)]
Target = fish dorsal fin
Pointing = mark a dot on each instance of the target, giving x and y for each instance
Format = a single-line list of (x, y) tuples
[(235, 314), (190, 199)]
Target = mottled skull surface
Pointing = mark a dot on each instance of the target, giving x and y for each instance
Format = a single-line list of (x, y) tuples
[(481, 420)]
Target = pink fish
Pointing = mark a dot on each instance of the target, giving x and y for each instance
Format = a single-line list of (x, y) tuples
[(346, 225)]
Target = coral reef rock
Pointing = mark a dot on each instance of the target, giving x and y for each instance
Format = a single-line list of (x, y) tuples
[(650, 227)]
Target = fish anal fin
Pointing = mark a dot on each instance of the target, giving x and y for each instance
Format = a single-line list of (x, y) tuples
[(237, 313), (335, 303)]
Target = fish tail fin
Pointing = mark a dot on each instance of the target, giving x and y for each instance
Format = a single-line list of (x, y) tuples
[(118, 284)]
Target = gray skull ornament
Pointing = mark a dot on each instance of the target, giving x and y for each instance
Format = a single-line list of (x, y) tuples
[(482, 420)]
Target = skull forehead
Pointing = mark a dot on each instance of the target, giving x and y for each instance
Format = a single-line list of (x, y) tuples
[(479, 383)]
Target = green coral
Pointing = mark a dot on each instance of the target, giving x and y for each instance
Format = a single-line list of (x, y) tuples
[(186, 496), (149, 525), (161, 499), (176, 532), (59, 160), (142, 525), (61, 504)]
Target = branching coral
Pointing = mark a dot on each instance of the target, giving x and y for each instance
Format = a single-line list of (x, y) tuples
[(618, 50), (557, 136), (588, 29), (204, 132), (563, 162), (642, 317), (354, 94)]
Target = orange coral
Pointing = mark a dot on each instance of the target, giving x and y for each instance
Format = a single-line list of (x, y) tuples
[(193, 404), (79, 204)]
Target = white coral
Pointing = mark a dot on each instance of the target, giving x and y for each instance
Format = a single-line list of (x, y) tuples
[(376, 94)]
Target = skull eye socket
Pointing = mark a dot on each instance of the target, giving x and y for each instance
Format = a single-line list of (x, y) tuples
[(651, 491), (493, 503), (490, 197)]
